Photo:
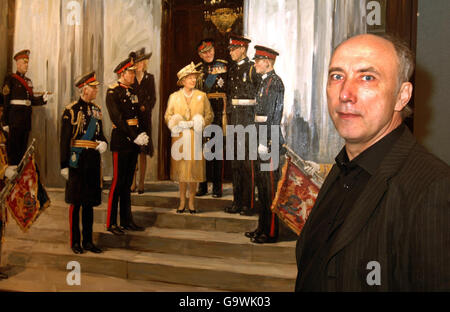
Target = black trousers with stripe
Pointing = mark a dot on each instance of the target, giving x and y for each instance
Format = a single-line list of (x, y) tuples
[(124, 164), (87, 220), (17, 145), (266, 182)]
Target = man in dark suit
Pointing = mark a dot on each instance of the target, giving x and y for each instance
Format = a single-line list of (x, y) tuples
[(381, 219)]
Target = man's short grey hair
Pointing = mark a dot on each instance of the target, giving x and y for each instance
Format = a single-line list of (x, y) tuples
[(406, 64)]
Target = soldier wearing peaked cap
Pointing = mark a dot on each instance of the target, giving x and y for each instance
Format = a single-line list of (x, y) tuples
[(268, 112), (213, 83), (127, 137), (144, 87), (18, 99), (82, 142), (241, 92)]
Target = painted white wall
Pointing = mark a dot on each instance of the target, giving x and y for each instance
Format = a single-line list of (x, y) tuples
[(130, 25)]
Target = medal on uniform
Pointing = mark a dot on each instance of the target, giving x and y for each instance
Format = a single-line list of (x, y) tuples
[(220, 82), (74, 157), (244, 79)]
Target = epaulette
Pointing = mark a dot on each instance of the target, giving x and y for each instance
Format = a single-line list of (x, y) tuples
[(71, 104), (114, 85), (222, 61)]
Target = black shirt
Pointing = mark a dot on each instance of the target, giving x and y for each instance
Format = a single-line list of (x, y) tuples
[(339, 200)]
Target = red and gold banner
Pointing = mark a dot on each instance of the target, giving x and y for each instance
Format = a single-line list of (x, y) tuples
[(28, 198), (295, 197)]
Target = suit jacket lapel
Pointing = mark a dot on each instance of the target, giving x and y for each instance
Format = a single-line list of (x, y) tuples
[(373, 193)]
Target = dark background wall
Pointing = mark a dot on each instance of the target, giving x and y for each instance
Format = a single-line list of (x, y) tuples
[(432, 108)]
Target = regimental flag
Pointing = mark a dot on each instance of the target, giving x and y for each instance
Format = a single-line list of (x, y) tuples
[(27, 198), (297, 192)]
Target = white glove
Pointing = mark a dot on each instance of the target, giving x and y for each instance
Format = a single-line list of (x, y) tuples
[(10, 172), (6, 128), (142, 139), (45, 96), (311, 167), (101, 147), (186, 124), (262, 149), (65, 173)]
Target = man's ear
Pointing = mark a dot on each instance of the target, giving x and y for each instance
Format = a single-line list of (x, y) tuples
[(404, 95)]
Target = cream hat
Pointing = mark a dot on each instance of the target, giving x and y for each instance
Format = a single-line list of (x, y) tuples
[(186, 71)]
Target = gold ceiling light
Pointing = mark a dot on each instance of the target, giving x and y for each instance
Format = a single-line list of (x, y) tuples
[(221, 15)]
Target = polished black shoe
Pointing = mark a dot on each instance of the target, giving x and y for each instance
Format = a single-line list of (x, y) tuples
[(92, 248), (124, 228), (217, 195), (134, 227), (192, 211), (253, 234), (201, 193), (76, 248), (181, 210), (140, 191), (3, 275), (116, 230), (263, 239), (245, 211), (234, 209)]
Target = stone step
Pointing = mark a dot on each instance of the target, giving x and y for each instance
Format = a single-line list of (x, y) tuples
[(26, 279), (223, 274), (161, 217), (199, 235), (172, 241)]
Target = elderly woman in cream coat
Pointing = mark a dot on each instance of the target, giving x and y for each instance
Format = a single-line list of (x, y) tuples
[(188, 113)]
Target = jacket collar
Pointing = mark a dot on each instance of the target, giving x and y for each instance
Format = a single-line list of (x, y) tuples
[(377, 186)]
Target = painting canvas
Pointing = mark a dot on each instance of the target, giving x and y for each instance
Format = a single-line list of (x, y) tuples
[(207, 252)]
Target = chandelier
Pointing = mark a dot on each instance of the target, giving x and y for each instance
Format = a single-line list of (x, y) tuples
[(222, 13)]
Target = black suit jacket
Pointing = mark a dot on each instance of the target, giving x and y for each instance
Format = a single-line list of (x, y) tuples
[(401, 220)]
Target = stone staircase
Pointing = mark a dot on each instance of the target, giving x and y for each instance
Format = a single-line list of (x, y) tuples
[(177, 252)]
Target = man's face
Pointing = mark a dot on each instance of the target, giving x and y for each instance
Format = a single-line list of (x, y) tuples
[(207, 56), (90, 92), (128, 77), (362, 90), (237, 53), (261, 66), (22, 66)]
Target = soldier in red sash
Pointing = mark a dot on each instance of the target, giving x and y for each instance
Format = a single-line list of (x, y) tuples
[(6, 172), (18, 99)]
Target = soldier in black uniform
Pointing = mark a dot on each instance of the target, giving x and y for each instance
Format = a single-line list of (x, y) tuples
[(126, 139), (144, 87), (18, 99), (268, 112), (6, 172), (82, 142), (213, 83), (242, 83)]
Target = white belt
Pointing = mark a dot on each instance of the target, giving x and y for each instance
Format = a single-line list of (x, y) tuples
[(260, 118), (20, 102), (243, 102)]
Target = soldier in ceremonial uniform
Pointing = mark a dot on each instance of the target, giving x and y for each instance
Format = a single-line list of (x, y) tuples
[(242, 83), (18, 99), (127, 137), (144, 87), (213, 83), (6, 172), (268, 112), (82, 142)]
